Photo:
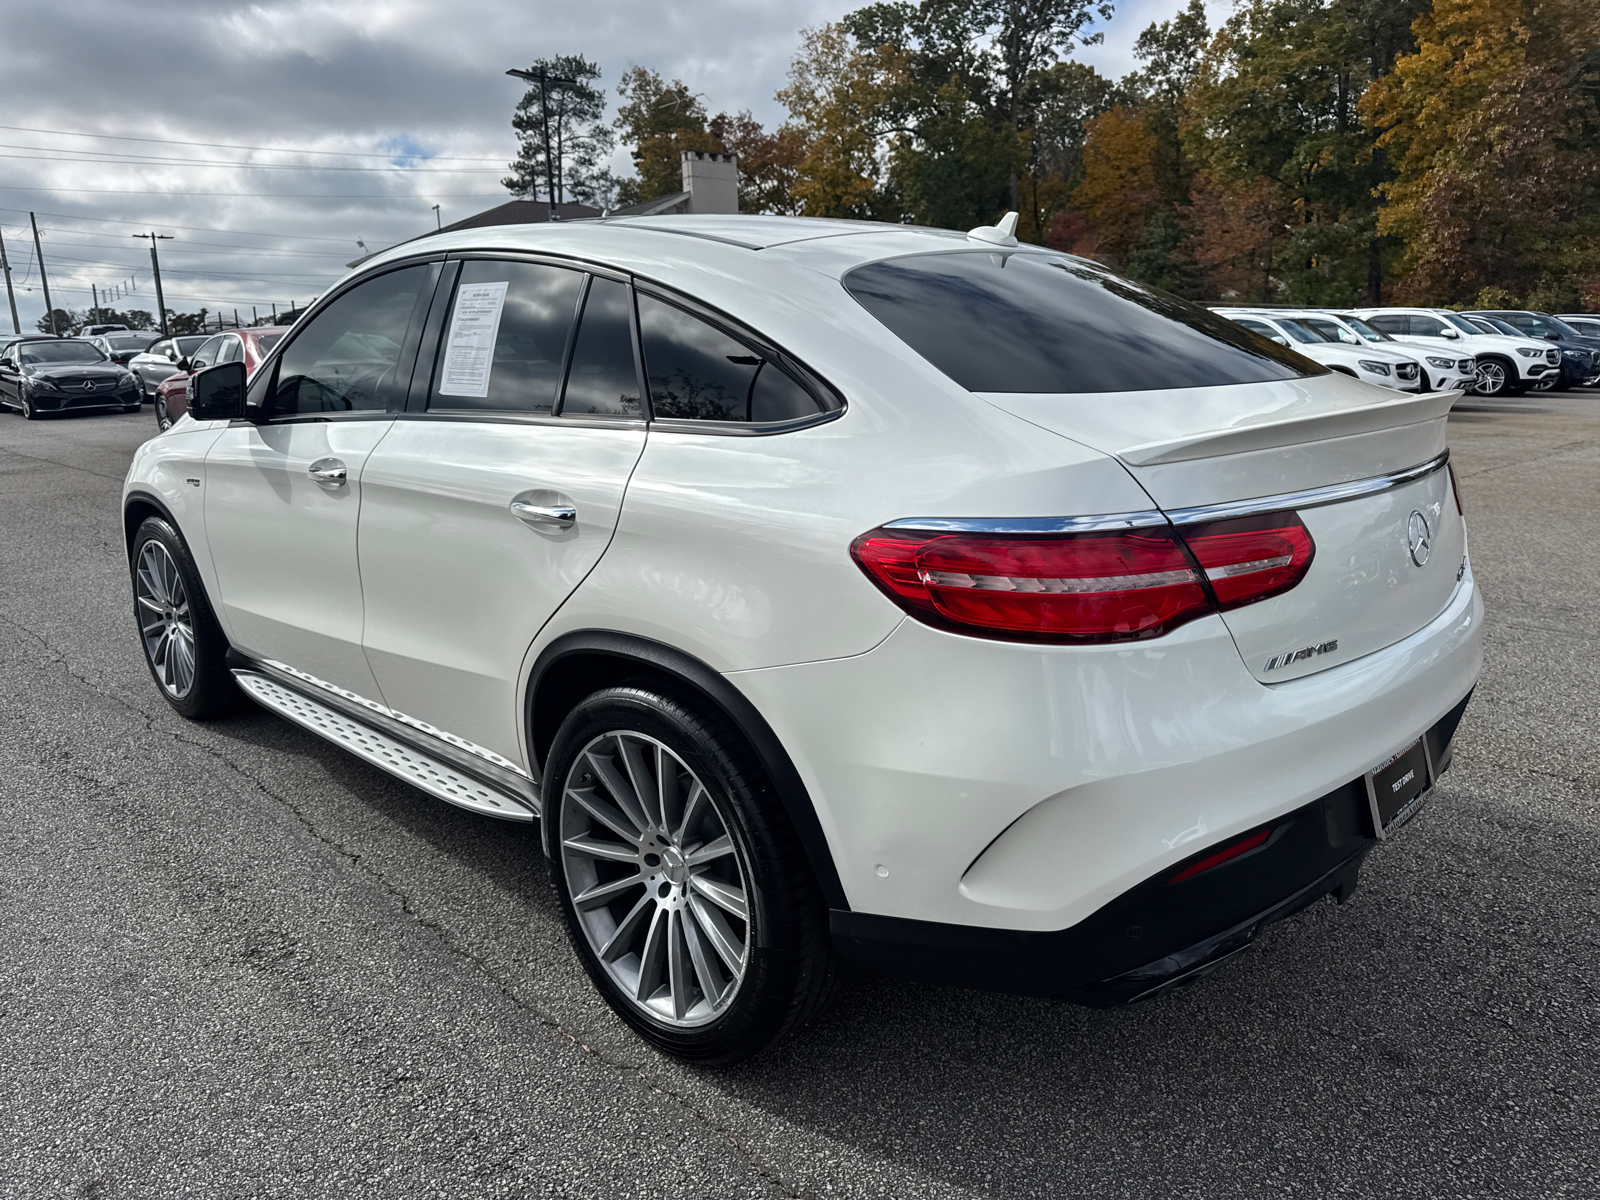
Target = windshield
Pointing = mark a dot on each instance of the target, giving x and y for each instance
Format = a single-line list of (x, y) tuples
[(1588, 329), (1331, 330), (269, 340), (1365, 330), (1499, 326), (1032, 321), (1561, 327), (188, 345), (129, 341), (43, 353), (1460, 323), (1299, 332)]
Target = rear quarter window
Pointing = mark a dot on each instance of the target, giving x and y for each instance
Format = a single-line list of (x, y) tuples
[(1029, 321)]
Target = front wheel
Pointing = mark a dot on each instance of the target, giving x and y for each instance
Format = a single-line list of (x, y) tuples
[(29, 412), (163, 421), (1491, 378), (184, 647), (682, 881)]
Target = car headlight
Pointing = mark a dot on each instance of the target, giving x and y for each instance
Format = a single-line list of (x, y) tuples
[(127, 382), (1376, 368), (1529, 352), (1442, 363), (41, 385)]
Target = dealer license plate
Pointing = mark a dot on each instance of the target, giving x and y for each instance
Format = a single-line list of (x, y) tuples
[(1396, 787)]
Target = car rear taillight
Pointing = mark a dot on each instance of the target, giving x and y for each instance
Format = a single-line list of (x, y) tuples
[(1250, 558), (1227, 854), (1092, 587)]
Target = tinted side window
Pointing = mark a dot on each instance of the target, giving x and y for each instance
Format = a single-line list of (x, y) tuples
[(206, 356), (1422, 326), (232, 351), (603, 378), (697, 372), (346, 359), (505, 337), (1029, 321), (1390, 323)]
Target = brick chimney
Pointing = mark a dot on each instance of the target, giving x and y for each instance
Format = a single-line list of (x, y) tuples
[(712, 181)]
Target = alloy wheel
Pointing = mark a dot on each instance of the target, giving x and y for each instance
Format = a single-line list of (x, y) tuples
[(657, 884), (163, 421), (1491, 379), (1546, 382), (165, 620)]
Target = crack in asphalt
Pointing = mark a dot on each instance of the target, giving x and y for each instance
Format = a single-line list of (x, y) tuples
[(117, 479), (442, 934)]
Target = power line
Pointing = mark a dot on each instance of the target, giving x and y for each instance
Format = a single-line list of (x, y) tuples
[(141, 160), (117, 137), (255, 195), (298, 237), (213, 248)]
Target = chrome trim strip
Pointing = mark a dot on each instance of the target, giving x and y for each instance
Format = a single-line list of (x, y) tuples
[(1091, 524), (1310, 498), (460, 743)]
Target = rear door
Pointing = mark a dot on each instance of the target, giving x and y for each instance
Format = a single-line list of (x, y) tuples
[(499, 488), (282, 494)]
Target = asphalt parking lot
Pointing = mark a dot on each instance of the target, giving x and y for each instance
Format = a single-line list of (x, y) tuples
[(235, 961)]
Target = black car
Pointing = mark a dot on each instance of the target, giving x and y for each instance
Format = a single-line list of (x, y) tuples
[(1580, 355), (44, 375)]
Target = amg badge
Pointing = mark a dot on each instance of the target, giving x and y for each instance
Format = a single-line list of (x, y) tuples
[(1294, 656)]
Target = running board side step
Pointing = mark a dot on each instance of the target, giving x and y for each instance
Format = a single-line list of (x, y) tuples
[(385, 751)]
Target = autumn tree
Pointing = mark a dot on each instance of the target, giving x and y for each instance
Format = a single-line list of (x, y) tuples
[(1493, 129), (658, 121), (768, 162), (1119, 182)]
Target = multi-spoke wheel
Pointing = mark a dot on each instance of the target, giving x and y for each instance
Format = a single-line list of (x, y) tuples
[(163, 421), (183, 644), (685, 887), (165, 621), (1491, 378), (655, 879)]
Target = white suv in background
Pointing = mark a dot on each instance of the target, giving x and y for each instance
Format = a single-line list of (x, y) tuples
[(829, 591), (1353, 331), (1506, 365), (1370, 364)]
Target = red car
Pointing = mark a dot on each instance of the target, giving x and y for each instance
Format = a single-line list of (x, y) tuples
[(233, 345)]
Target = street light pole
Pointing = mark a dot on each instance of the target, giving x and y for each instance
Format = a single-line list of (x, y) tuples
[(5, 265), (155, 270), (544, 79), (49, 309)]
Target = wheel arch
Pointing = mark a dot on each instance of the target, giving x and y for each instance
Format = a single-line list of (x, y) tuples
[(580, 663), (137, 507)]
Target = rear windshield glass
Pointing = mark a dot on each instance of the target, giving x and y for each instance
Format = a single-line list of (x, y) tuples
[(1038, 322), (129, 341)]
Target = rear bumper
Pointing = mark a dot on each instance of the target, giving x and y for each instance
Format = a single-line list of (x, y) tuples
[(1159, 934)]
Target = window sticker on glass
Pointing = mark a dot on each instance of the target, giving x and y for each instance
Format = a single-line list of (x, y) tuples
[(474, 327)]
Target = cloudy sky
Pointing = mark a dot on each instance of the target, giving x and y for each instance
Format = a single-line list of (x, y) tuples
[(267, 138)]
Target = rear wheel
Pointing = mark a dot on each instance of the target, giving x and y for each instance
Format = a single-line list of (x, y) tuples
[(184, 647), (683, 883)]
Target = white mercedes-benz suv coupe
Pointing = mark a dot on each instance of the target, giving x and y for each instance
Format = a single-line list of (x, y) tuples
[(829, 592)]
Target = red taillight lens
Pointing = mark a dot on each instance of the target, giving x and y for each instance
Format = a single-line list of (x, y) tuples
[(1227, 853), (1250, 558), (1037, 588)]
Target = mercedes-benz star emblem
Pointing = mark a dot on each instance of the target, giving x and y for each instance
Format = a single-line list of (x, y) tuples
[(89, 385), (1418, 539)]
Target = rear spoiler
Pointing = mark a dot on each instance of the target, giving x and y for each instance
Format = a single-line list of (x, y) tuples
[(1367, 418)]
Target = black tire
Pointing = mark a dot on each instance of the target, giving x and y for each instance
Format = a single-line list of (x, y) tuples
[(29, 412), (212, 691), (791, 970)]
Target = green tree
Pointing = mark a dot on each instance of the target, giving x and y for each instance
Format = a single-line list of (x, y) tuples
[(573, 114), (659, 120)]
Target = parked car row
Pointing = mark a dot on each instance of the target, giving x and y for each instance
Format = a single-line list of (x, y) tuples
[(1489, 353)]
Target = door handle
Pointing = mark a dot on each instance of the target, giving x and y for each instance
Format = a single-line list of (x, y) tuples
[(544, 516), (329, 472)]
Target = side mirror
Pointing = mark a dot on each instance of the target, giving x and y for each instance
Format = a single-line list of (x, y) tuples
[(1280, 339), (1554, 337), (183, 364), (217, 393), (1450, 331)]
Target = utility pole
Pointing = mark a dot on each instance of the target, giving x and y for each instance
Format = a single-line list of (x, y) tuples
[(94, 296), (155, 269), (44, 282), (255, 317), (544, 79), (274, 312), (438, 222), (5, 265), (236, 318)]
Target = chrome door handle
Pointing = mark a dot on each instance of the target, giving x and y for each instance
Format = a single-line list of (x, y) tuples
[(329, 472), (545, 516)]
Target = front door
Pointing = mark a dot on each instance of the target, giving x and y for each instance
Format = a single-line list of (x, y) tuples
[(489, 503), (283, 491)]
